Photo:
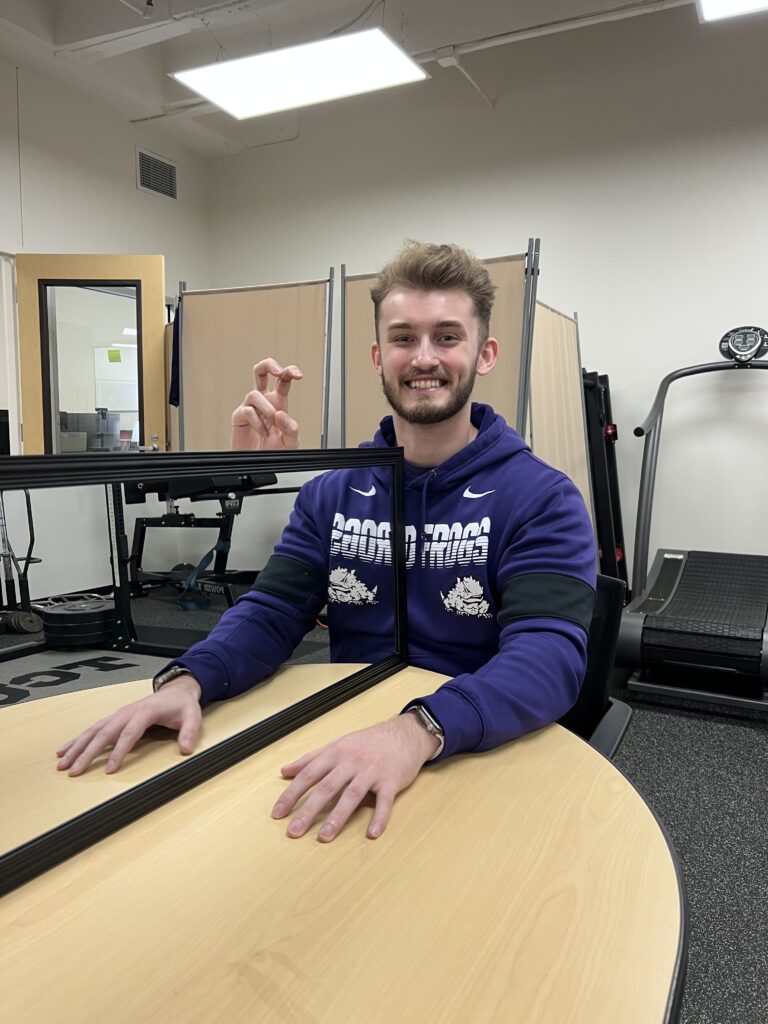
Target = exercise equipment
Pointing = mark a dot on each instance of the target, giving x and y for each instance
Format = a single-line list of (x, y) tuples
[(602, 436), (78, 620), (16, 612), (696, 627), (195, 582)]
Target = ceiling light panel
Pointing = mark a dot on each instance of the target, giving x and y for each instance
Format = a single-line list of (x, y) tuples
[(714, 10), (302, 75)]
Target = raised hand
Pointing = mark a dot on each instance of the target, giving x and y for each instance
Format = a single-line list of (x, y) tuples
[(261, 421), (175, 705)]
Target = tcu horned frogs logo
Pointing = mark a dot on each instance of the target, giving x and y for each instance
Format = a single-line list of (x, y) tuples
[(466, 598), (345, 588)]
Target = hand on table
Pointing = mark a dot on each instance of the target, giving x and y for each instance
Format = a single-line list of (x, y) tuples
[(261, 422), (383, 759), (175, 705)]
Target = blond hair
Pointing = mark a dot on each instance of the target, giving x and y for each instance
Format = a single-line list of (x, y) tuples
[(429, 267)]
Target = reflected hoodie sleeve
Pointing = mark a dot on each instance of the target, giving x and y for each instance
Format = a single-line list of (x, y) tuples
[(255, 637)]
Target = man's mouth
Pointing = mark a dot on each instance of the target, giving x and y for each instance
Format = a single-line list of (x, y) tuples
[(425, 383)]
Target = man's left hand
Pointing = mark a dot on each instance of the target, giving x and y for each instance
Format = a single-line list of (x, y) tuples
[(383, 760)]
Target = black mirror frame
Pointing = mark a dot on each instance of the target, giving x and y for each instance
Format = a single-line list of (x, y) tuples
[(32, 858)]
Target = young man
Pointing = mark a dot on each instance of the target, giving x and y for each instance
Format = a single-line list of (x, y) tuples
[(500, 564)]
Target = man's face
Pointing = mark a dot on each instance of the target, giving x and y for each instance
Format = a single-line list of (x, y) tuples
[(429, 352)]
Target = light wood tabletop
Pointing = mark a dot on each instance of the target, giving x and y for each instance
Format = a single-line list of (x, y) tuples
[(529, 885)]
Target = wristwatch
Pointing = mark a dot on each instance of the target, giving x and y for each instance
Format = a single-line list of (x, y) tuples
[(432, 726), (172, 673)]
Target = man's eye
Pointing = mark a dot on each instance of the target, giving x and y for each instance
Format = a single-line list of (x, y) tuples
[(448, 338)]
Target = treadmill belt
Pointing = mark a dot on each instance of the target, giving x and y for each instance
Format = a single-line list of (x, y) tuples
[(719, 609)]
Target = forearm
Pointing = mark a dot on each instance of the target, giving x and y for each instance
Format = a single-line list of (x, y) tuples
[(251, 641), (532, 681)]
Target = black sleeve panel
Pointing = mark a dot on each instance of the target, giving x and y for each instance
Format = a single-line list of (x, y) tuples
[(293, 581), (547, 595)]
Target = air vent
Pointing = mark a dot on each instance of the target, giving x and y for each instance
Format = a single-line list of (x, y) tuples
[(154, 174)]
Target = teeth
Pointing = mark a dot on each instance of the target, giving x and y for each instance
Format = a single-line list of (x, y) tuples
[(422, 384)]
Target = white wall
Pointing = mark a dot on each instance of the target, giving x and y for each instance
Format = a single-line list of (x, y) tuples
[(77, 193), (636, 150), (78, 181)]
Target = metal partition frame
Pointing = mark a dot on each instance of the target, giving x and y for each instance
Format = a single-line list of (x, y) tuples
[(529, 313), (18, 472)]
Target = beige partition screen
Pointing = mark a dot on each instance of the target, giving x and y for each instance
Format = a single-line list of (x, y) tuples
[(224, 333), (556, 399), (365, 404)]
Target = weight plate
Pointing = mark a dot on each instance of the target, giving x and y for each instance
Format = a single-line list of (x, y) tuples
[(78, 628), (24, 622)]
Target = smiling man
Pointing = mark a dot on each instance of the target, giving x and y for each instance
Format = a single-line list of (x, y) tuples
[(500, 565)]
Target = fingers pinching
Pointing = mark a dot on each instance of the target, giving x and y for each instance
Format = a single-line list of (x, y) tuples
[(284, 375), (262, 370), (285, 379)]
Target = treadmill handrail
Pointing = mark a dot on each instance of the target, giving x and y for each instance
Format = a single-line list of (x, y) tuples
[(650, 428)]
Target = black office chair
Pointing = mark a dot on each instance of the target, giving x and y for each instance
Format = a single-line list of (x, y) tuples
[(595, 716)]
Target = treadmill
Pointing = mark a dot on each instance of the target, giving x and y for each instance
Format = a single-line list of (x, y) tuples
[(696, 626)]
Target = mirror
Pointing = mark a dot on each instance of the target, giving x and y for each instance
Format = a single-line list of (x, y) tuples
[(91, 332), (189, 535), (91, 362)]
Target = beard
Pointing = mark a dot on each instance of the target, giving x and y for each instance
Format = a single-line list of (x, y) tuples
[(429, 412)]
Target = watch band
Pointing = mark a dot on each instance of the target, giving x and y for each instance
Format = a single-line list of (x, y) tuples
[(432, 726), (170, 673)]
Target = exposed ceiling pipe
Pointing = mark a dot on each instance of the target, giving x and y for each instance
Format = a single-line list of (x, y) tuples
[(114, 44), (629, 10), (143, 12), (447, 56)]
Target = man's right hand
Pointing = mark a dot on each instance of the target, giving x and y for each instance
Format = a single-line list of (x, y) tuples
[(261, 422), (176, 705)]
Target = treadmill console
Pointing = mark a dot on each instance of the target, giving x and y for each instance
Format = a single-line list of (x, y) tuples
[(743, 344)]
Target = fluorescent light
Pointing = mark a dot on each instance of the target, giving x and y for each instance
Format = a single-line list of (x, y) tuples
[(302, 75), (713, 10)]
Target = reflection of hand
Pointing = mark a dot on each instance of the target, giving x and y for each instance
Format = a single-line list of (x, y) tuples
[(176, 705), (382, 760), (261, 422)]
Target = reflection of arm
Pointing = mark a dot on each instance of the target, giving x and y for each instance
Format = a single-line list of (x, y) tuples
[(255, 637), (545, 579)]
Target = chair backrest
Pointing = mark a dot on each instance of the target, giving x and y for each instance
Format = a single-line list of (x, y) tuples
[(592, 702)]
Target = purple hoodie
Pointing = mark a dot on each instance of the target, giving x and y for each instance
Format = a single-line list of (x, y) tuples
[(500, 568)]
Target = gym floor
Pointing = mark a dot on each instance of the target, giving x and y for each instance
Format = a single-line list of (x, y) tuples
[(703, 769)]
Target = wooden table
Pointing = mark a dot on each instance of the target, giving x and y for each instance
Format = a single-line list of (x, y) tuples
[(529, 885)]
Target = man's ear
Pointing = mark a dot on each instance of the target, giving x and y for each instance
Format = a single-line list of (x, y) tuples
[(376, 356), (487, 356)]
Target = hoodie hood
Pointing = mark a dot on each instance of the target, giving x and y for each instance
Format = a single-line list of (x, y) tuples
[(495, 442)]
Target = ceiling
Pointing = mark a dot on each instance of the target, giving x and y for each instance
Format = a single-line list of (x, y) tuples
[(122, 51)]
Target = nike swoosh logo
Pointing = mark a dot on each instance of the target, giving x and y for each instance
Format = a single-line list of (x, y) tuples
[(365, 494), (469, 493)]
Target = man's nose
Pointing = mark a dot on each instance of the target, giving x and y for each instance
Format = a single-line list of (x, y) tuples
[(425, 356)]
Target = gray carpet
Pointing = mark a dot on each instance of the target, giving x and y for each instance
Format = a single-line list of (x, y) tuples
[(704, 772), (706, 776), (158, 619)]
